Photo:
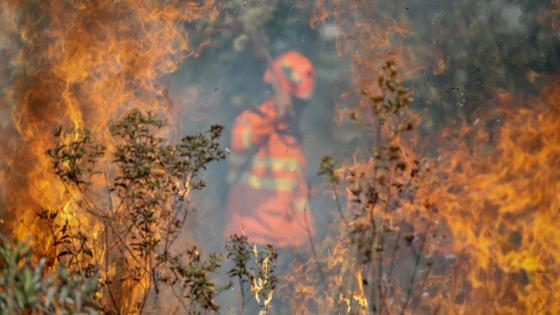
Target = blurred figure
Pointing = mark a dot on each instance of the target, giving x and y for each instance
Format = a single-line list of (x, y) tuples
[(268, 194)]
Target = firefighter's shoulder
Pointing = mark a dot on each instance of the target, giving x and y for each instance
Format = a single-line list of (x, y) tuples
[(248, 117)]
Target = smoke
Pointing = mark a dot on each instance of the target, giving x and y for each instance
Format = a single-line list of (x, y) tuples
[(79, 64)]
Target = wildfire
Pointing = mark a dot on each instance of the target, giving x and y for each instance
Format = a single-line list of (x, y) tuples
[(498, 193), (80, 65), (484, 232)]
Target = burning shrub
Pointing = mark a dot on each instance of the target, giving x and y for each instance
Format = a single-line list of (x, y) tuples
[(378, 259), (137, 217)]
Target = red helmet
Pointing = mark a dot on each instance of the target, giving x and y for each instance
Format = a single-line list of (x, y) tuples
[(294, 73)]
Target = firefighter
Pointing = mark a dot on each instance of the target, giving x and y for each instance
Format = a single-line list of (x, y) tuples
[(267, 199)]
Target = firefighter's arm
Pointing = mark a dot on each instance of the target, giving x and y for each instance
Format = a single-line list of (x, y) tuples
[(250, 130)]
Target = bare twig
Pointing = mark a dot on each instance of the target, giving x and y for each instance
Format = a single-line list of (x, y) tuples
[(415, 271), (314, 253)]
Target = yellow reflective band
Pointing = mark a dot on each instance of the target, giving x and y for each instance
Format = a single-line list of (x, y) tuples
[(300, 204), (246, 138), (276, 164), (265, 183)]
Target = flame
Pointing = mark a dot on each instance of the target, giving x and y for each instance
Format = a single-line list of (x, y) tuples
[(80, 64), (498, 193), (491, 198)]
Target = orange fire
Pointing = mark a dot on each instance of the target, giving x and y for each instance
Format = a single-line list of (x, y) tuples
[(80, 64), (490, 200), (496, 186)]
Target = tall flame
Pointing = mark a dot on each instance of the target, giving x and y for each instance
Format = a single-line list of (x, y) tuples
[(492, 192), (498, 192), (81, 63)]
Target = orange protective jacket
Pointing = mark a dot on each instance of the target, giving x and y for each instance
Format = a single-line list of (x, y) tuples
[(267, 200)]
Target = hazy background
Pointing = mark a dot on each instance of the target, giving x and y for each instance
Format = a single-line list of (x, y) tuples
[(456, 56)]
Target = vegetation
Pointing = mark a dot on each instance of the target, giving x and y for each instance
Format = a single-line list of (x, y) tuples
[(27, 287), (376, 228), (146, 208), (253, 266), (147, 183), (140, 221)]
